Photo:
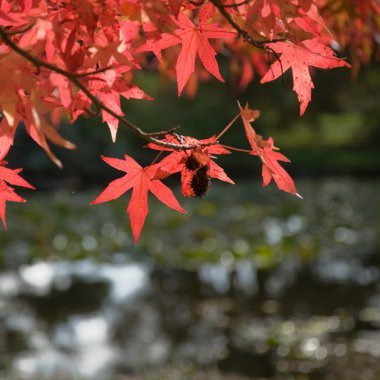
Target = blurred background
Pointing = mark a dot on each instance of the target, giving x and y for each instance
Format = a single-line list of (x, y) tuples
[(252, 283)]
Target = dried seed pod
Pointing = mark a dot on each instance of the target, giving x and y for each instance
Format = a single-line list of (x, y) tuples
[(192, 163), (200, 181), (195, 178)]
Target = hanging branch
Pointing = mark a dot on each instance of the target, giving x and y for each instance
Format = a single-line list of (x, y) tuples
[(75, 79)]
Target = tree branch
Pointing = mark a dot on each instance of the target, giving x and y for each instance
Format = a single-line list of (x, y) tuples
[(75, 79)]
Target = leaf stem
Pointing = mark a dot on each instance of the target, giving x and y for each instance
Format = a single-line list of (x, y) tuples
[(225, 129), (237, 149)]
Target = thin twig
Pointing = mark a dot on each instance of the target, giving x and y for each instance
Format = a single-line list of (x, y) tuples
[(235, 5), (163, 133), (227, 127), (243, 33), (236, 149), (21, 31), (98, 71)]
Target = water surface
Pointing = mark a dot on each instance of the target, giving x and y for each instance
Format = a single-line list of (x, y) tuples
[(251, 284)]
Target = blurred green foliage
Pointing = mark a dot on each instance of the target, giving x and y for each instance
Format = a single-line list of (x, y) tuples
[(250, 224)]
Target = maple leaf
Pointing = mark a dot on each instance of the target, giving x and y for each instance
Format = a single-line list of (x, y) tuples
[(23, 98), (195, 41), (11, 19), (6, 136), (32, 109), (272, 169), (108, 54), (299, 58), (159, 13), (109, 94), (264, 15), (266, 151), (9, 176), (196, 165), (141, 180)]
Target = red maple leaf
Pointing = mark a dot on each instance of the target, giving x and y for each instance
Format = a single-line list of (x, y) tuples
[(195, 42), (196, 165), (108, 91), (299, 58), (32, 110), (6, 136), (265, 16), (10, 176), (141, 180), (266, 150)]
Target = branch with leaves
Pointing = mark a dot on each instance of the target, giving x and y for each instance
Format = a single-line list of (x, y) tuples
[(100, 106), (78, 58)]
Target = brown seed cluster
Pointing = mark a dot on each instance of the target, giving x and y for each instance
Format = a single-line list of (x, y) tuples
[(200, 180)]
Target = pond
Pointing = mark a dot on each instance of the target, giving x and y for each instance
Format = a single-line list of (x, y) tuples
[(250, 284)]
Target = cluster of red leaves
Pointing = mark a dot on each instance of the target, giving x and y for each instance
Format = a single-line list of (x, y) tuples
[(65, 55), (197, 167), (268, 154)]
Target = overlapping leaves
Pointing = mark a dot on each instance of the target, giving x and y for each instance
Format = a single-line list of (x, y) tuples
[(79, 58)]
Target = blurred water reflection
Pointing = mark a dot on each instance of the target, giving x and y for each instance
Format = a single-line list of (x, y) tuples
[(265, 287)]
